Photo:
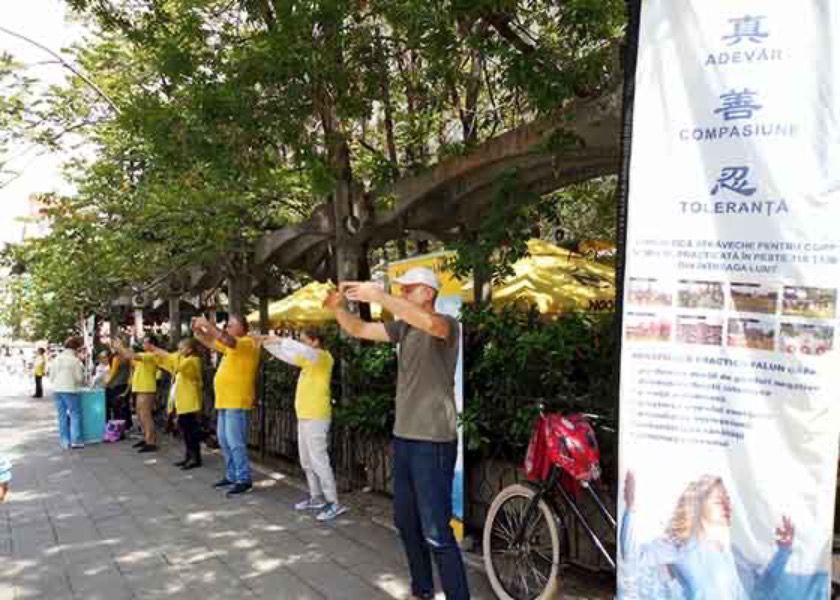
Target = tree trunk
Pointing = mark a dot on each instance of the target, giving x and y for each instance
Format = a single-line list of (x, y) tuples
[(482, 288), (113, 323), (469, 117), (138, 324), (388, 108), (239, 284), (265, 326), (174, 321)]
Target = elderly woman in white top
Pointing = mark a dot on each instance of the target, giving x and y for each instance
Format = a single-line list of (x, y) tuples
[(67, 375)]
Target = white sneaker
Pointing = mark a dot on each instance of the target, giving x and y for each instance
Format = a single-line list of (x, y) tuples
[(311, 504), (332, 510)]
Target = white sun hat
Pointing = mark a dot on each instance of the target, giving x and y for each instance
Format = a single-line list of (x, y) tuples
[(419, 276)]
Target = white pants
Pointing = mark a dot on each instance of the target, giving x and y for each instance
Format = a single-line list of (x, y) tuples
[(315, 460)]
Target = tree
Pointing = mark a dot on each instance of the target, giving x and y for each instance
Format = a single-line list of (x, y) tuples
[(238, 118)]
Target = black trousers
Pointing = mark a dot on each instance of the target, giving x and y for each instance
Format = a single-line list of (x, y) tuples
[(39, 388), (192, 435), (118, 405)]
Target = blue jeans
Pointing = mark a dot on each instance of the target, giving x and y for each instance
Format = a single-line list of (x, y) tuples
[(68, 402), (423, 474), (232, 429)]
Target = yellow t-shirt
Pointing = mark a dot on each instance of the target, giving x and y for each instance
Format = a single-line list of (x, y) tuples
[(144, 379), (187, 372), (40, 366), (312, 396), (236, 377)]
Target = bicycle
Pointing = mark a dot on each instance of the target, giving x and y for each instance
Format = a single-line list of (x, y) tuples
[(525, 540)]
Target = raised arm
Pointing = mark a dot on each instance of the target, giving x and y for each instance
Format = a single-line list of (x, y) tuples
[(416, 316), (208, 334), (288, 350), (352, 324), (163, 359), (124, 352)]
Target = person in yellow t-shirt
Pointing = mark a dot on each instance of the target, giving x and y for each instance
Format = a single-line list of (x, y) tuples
[(144, 386), (39, 369), (235, 390), (187, 381), (117, 401), (312, 405)]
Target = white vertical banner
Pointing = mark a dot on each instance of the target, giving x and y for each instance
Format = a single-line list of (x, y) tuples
[(730, 372)]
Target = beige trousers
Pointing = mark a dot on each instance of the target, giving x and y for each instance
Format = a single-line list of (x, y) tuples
[(145, 411)]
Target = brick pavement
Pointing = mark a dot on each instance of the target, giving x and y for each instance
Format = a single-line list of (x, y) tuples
[(105, 523)]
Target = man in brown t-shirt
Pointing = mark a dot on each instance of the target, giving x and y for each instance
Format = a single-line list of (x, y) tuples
[(425, 430)]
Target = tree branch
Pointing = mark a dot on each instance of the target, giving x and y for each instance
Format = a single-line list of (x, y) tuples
[(67, 65)]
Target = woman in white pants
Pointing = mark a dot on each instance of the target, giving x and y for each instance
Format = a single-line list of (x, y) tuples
[(314, 413)]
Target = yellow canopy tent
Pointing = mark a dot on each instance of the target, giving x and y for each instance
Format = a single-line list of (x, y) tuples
[(303, 308), (555, 281), (552, 279)]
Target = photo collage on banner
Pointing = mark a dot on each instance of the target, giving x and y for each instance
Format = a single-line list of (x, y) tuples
[(729, 363)]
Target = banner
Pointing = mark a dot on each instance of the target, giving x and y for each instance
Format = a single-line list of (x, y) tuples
[(449, 303), (729, 365)]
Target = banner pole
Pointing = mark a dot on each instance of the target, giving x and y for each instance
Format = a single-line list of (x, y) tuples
[(630, 51)]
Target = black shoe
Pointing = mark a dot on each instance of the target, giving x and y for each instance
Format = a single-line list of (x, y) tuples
[(147, 448), (239, 488), (222, 483), (181, 463), (191, 465), (139, 444)]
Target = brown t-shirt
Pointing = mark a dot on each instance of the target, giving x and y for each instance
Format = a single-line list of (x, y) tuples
[(425, 408)]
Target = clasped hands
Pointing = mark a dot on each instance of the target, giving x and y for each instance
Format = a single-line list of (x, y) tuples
[(355, 291), (201, 325)]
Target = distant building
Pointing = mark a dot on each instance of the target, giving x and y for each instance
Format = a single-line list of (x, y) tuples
[(36, 223)]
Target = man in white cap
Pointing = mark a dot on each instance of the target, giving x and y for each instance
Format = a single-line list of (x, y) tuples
[(425, 429)]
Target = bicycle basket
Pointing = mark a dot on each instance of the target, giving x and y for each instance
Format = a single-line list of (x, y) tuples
[(566, 441)]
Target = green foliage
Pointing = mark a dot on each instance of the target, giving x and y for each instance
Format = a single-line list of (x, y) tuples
[(230, 113), (369, 375), (516, 363), (584, 211), (506, 226), (76, 269), (371, 414)]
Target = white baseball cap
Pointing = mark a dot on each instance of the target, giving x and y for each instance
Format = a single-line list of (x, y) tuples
[(419, 276)]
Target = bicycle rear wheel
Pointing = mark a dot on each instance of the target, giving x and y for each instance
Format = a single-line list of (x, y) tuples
[(525, 571)]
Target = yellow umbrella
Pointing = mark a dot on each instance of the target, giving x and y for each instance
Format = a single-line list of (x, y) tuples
[(303, 308), (555, 281)]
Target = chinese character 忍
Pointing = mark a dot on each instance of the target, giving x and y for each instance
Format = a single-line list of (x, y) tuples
[(734, 179)]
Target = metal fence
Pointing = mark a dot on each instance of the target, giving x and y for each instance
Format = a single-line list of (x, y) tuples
[(361, 460)]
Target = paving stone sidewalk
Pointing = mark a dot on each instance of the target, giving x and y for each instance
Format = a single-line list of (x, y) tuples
[(105, 523)]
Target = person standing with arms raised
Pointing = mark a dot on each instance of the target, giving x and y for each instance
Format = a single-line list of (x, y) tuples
[(235, 391), (187, 381), (144, 386), (117, 382), (314, 415), (425, 430)]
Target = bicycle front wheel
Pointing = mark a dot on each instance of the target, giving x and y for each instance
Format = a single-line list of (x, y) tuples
[(527, 570)]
